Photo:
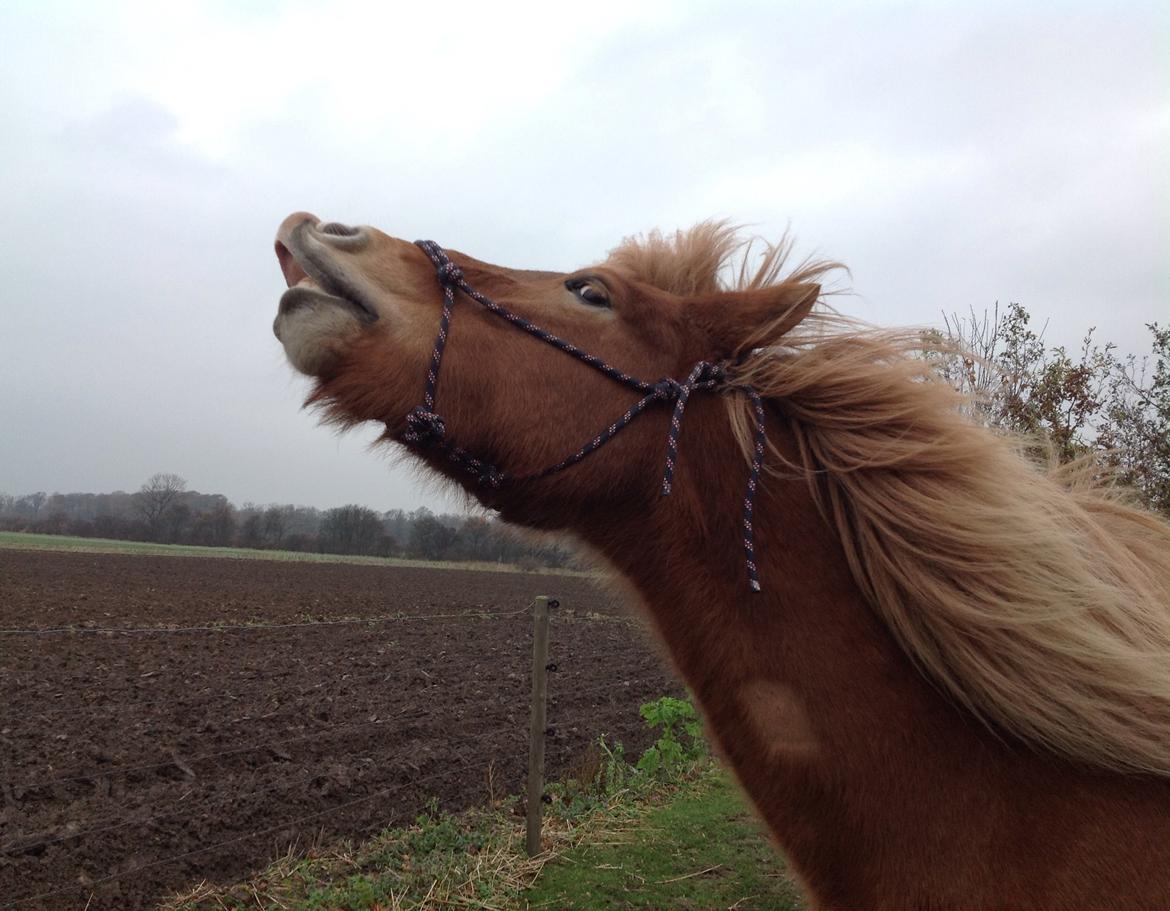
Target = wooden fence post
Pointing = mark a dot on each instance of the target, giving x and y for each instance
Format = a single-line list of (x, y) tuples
[(538, 720)]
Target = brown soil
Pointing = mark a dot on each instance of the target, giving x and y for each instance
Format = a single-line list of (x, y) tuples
[(138, 764)]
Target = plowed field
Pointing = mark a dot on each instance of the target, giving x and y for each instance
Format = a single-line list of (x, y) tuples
[(139, 762)]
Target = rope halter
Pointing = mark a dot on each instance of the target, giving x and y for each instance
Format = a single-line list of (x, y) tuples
[(425, 428)]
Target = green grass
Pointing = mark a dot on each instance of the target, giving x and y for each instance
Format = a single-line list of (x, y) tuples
[(441, 861), (704, 849), (19, 540), (689, 843)]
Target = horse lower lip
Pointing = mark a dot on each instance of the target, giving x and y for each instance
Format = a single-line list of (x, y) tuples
[(307, 293)]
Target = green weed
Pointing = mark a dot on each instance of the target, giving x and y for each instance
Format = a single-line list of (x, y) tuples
[(680, 739)]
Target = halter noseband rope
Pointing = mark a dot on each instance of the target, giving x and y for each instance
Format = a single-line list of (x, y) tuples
[(426, 429)]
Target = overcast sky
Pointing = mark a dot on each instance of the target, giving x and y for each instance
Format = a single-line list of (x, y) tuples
[(952, 154)]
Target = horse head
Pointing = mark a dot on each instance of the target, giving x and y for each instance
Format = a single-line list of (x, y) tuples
[(362, 315)]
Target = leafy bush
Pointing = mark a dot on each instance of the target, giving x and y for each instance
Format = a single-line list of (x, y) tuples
[(681, 738), (1094, 401)]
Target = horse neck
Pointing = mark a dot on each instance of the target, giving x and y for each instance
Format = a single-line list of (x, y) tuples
[(805, 692)]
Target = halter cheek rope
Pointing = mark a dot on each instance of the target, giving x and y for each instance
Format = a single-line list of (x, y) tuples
[(425, 428)]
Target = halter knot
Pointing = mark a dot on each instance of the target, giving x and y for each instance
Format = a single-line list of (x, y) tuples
[(449, 273), (668, 389), (424, 427), (708, 372)]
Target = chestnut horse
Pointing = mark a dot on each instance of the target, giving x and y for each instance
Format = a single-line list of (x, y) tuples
[(952, 688)]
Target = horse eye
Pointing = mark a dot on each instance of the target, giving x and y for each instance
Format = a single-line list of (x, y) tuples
[(589, 291)]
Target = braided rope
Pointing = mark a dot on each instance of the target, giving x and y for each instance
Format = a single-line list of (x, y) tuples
[(749, 500), (425, 427)]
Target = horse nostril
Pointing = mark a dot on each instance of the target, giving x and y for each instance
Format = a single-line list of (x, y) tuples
[(337, 229)]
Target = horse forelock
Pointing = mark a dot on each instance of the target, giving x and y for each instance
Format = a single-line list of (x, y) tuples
[(710, 257)]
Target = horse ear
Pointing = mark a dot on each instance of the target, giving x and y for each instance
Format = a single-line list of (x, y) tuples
[(735, 319)]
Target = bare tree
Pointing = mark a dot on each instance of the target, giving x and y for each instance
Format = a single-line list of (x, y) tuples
[(354, 529), (275, 522), (430, 538), (155, 497), (251, 534), (175, 522), (30, 504), (215, 527)]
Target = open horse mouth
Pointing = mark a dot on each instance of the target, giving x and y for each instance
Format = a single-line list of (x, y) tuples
[(314, 276)]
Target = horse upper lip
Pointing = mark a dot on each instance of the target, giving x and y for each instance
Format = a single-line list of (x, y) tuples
[(306, 261)]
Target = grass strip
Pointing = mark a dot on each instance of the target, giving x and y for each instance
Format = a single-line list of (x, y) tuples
[(702, 849), (688, 843), (19, 540)]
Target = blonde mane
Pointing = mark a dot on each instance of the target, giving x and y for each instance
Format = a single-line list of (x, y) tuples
[(1036, 597)]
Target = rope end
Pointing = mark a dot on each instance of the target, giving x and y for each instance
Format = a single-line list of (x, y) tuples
[(755, 585)]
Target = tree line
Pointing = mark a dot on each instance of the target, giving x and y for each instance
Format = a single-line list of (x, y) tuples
[(163, 510)]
